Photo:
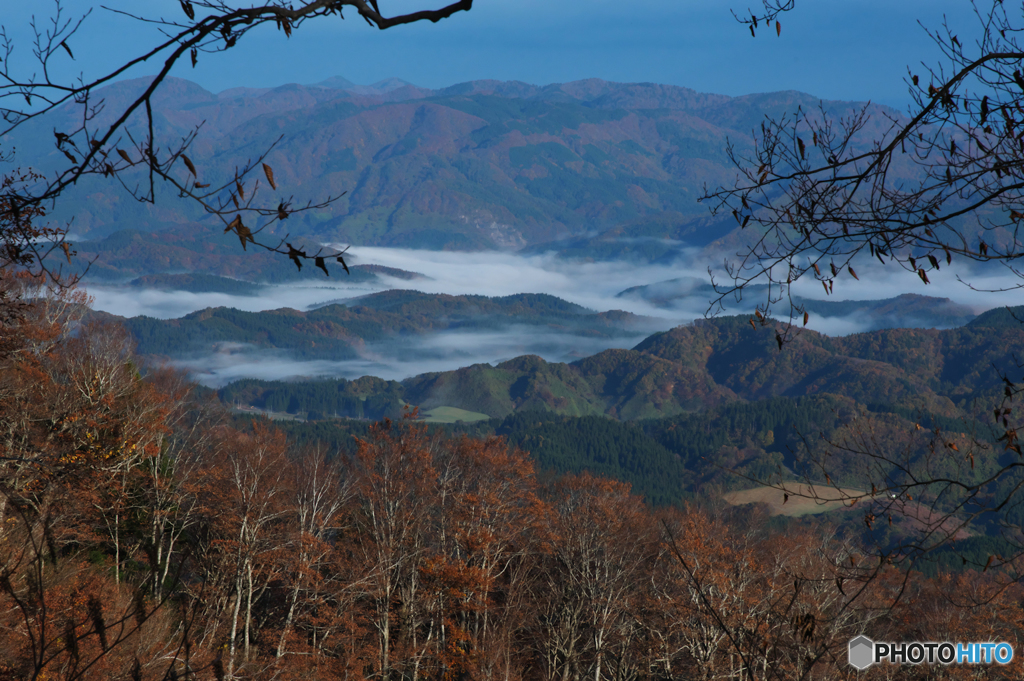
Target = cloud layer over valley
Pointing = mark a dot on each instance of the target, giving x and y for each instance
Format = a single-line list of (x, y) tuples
[(662, 295)]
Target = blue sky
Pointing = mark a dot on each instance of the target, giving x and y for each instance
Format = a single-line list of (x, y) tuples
[(836, 49)]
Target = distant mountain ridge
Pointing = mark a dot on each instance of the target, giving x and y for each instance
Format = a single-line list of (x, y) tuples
[(712, 362), (394, 318), (166, 259), (927, 376), (690, 368), (905, 310), (482, 164)]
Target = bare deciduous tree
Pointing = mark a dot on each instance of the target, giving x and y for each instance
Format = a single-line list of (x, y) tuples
[(820, 194), (104, 145), (944, 182)]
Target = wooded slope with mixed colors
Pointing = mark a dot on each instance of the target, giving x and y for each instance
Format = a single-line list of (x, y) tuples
[(144, 536), (480, 164), (714, 362)]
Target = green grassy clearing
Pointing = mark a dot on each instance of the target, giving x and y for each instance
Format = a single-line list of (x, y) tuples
[(452, 414)]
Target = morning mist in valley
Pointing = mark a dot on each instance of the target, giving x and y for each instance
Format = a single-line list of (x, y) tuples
[(452, 340)]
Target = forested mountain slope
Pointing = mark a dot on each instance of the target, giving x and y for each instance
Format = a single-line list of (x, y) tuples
[(692, 368), (481, 164), (343, 330)]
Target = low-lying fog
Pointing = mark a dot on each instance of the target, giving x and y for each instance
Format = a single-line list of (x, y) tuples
[(595, 285), (408, 356)]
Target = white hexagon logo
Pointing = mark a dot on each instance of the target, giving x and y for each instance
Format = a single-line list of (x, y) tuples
[(862, 653)]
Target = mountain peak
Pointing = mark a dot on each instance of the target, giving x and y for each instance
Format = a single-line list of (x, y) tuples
[(337, 82), (379, 88)]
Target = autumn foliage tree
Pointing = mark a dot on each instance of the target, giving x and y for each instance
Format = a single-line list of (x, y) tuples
[(76, 418), (144, 536)]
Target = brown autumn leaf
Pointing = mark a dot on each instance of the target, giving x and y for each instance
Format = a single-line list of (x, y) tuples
[(852, 273), (268, 171), (243, 232), (295, 254), (778, 29), (244, 235), (125, 156), (189, 165)]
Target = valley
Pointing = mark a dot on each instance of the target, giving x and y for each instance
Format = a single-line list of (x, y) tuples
[(493, 359), (531, 262)]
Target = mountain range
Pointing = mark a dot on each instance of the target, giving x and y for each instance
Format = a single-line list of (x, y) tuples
[(684, 410), (712, 362), (347, 330), (715, 362), (482, 164)]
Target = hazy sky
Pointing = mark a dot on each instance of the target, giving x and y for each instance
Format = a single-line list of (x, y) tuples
[(840, 49)]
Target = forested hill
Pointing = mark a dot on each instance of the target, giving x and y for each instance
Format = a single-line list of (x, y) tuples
[(481, 164), (385, 320), (692, 368)]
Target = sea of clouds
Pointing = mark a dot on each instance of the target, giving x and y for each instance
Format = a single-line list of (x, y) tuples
[(595, 285)]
